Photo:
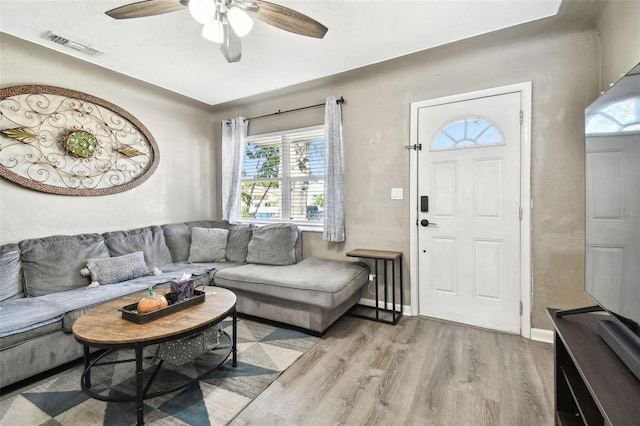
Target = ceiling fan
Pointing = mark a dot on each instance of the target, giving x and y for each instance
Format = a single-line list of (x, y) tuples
[(225, 21)]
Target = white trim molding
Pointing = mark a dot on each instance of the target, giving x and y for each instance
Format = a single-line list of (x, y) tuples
[(542, 335)]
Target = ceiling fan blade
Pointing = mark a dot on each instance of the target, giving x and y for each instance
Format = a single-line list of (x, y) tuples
[(288, 19), (146, 8), (231, 46)]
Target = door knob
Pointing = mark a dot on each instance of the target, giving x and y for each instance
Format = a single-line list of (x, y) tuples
[(425, 222)]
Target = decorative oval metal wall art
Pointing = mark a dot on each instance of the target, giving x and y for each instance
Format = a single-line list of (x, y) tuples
[(66, 142)]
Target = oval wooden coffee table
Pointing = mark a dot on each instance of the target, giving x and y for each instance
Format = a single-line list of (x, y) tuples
[(103, 327)]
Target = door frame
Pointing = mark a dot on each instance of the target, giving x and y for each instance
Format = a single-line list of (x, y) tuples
[(526, 203)]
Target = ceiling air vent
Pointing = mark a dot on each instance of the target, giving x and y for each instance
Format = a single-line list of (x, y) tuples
[(72, 44)]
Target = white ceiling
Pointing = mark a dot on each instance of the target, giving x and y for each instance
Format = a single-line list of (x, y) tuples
[(168, 51)]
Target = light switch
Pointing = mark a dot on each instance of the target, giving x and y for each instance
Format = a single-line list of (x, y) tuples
[(396, 193)]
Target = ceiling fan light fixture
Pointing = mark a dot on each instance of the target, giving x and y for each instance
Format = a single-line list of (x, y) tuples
[(240, 21), (226, 21), (214, 30), (203, 11)]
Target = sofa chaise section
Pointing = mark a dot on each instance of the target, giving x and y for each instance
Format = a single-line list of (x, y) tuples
[(311, 294)]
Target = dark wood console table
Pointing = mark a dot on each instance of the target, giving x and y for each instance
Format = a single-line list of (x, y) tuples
[(592, 385)]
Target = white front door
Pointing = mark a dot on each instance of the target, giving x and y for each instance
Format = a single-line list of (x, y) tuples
[(469, 228), (612, 243)]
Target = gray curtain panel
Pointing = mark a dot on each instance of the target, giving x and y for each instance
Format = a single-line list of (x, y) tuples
[(334, 179), (234, 137)]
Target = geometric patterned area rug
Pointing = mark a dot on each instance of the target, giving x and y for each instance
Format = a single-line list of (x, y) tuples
[(264, 352)]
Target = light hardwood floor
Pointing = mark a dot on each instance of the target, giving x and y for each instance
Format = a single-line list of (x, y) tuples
[(419, 372)]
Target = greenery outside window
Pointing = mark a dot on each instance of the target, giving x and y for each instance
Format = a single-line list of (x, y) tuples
[(283, 177)]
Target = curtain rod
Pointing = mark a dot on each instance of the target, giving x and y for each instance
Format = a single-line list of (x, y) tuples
[(339, 101)]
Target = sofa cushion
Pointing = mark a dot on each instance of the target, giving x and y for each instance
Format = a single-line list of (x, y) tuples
[(54, 306), (178, 239), (238, 242), (217, 266), (149, 240), (53, 264), (275, 244), (224, 224), (20, 338), (116, 269), (10, 272), (208, 244), (320, 282)]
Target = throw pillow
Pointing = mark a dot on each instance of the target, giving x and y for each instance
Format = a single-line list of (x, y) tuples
[(274, 245), (208, 245), (112, 270)]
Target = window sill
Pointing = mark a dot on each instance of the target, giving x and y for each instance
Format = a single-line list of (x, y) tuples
[(307, 228), (302, 226)]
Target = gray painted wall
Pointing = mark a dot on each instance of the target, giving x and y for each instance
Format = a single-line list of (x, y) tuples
[(564, 62), (563, 65), (182, 188), (619, 29)]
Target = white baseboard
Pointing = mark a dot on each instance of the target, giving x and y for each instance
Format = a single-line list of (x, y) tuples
[(537, 334), (542, 335), (406, 310)]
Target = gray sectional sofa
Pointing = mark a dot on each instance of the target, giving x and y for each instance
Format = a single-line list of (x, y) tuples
[(47, 283)]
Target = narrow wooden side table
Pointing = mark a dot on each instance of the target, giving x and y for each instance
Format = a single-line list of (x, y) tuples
[(386, 257)]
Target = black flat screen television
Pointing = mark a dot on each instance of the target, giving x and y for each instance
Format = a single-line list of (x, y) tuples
[(612, 234)]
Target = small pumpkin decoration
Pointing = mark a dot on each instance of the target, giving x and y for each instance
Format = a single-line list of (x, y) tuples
[(152, 302)]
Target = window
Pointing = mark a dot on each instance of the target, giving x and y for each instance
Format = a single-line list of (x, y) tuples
[(620, 116), (283, 177), (467, 133)]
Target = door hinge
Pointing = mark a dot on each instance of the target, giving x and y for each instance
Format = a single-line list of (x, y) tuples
[(520, 212), (415, 147), (521, 117), (520, 308)]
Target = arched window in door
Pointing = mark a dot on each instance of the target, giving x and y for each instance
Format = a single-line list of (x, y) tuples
[(467, 132), (619, 116)]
